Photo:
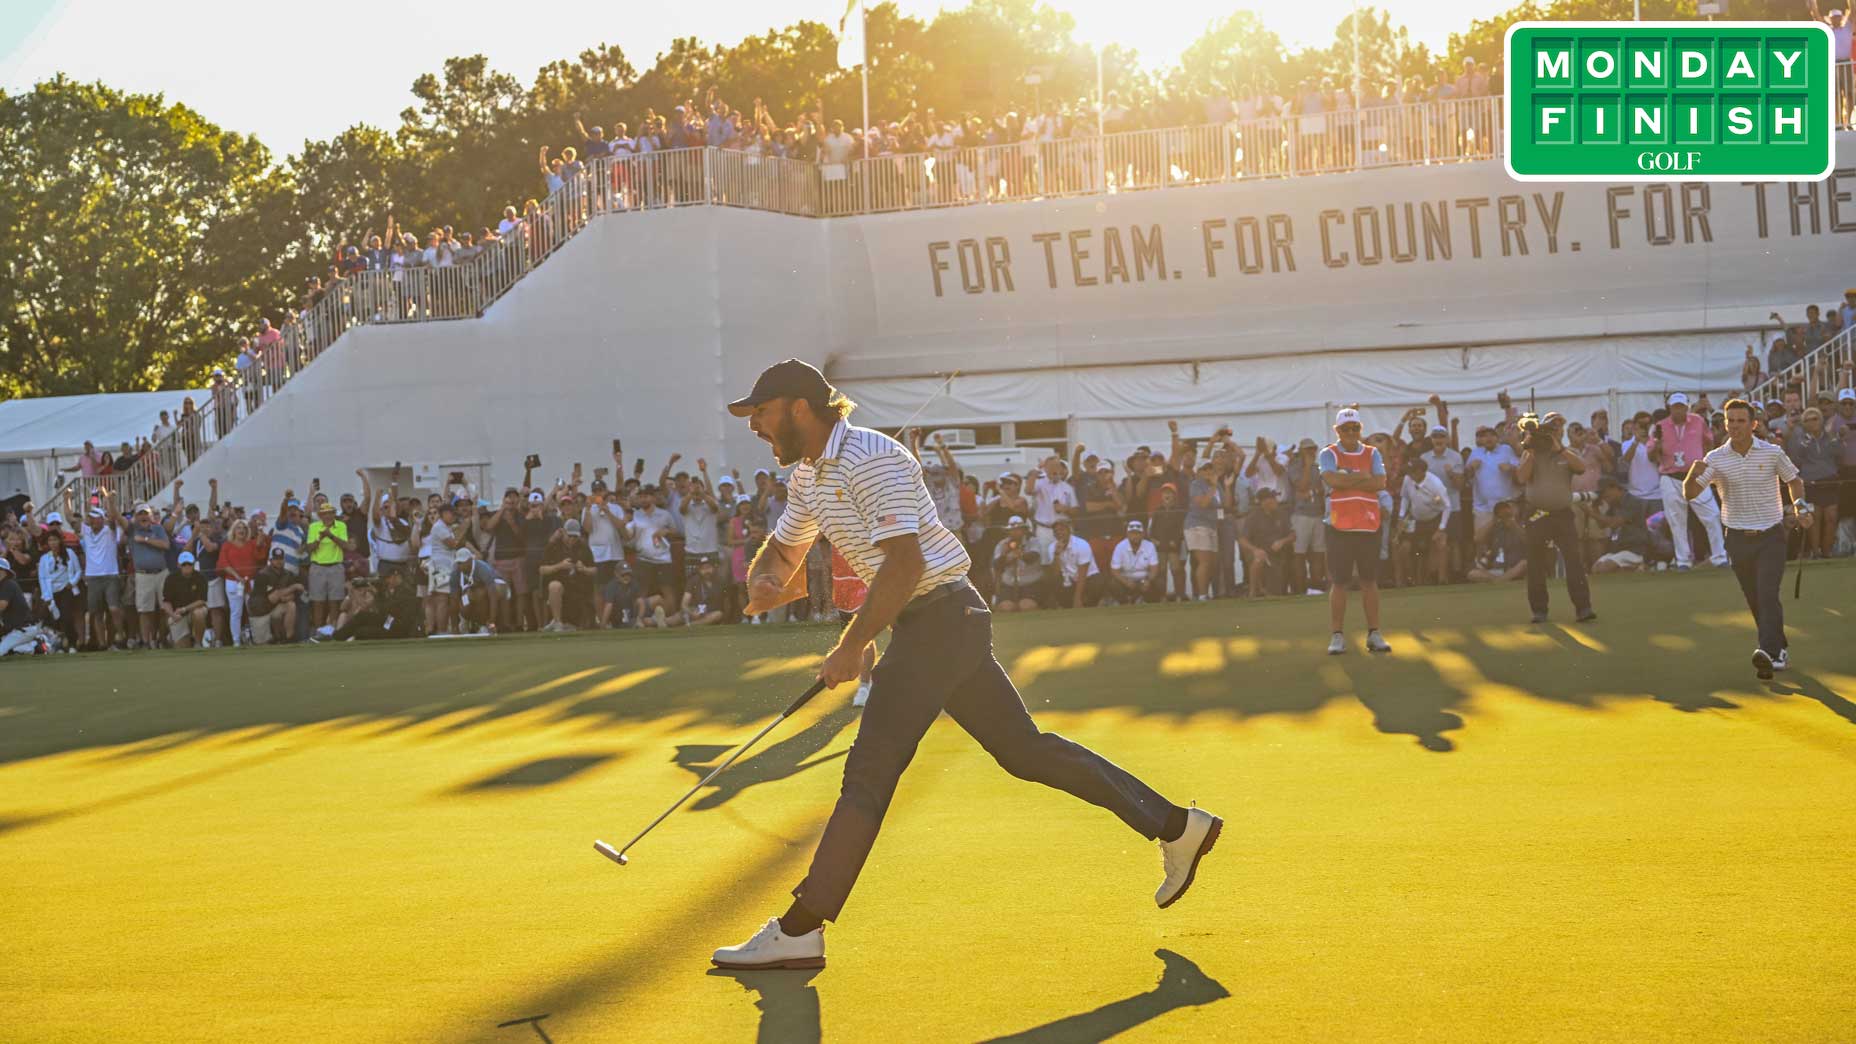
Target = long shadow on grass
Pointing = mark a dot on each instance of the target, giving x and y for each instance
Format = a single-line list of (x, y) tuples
[(1236, 660), (787, 1000), (1182, 985), (783, 760)]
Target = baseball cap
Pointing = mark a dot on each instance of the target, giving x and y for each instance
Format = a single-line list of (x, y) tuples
[(1010, 476), (572, 528), (535, 497), (277, 552), (4, 564), (1134, 526), (293, 503), (54, 519), (1847, 395), (325, 506), (465, 554), (1347, 416), (758, 472), (786, 379), (1307, 444), (1438, 429), (98, 512), (142, 509), (186, 558), (1678, 399), (725, 481), (1015, 521)]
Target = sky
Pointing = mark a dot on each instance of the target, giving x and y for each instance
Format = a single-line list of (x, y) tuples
[(286, 74)]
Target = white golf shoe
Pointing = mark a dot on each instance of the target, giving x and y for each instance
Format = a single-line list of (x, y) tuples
[(1337, 644), (1181, 857), (863, 695), (1376, 643), (772, 948)]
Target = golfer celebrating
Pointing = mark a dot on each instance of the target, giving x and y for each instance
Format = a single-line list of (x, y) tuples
[(864, 492), (1748, 471)]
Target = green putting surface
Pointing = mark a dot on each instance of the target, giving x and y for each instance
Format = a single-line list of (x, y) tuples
[(1498, 832)]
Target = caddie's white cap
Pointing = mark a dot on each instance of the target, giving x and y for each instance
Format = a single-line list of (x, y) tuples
[(1438, 429), (1347, 416), (1847, 395), (1678, 398)]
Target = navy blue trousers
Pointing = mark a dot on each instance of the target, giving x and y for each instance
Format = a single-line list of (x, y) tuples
[(940, 657), (1759, 564)]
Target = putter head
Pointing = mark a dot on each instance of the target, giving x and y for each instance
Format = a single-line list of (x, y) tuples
[(609, 852)]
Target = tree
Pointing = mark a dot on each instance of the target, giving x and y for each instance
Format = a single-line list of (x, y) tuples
[(1235, 55), (138, 239), (345, 186)]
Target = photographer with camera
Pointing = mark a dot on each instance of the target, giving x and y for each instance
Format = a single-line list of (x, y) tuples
[(1547, 468), (1017, 572)]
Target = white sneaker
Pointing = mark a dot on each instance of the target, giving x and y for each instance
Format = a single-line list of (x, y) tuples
[(1316, 591), (551, 627), (1337, 644), (772, 948), (326, 631), (1783, 661), (863, 695), (1181, 857), (1376, 643), (1762, 664), (658, 617)]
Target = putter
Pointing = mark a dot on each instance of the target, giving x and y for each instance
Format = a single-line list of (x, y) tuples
[(618, 855)]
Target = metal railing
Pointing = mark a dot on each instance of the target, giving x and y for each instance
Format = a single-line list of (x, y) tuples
[(1822, 371), (194, 433)]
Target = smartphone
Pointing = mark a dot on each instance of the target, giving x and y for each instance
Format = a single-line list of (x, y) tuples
[(457, 478), (616, 448), (533, 461)]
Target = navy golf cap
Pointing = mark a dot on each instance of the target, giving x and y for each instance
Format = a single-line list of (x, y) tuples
[(787, 379)]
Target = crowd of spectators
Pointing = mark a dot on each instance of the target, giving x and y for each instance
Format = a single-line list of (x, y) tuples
[(1195, 519), (1793, 341)]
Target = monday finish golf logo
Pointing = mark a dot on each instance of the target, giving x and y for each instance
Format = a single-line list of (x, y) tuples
[(1668, 101)]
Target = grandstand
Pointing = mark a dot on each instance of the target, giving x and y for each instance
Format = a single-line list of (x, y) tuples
[(1079, 291)]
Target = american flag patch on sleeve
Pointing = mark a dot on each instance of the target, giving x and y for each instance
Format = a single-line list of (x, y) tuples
[(886, 520)]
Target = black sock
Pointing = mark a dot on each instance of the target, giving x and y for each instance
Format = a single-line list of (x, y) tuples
[(799, 921), (1174, 826)]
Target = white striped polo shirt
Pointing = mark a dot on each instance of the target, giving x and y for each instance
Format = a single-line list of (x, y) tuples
[(1749, 483), (864, 488)]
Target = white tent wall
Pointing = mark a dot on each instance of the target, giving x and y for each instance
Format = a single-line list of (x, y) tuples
[(1115, 408)]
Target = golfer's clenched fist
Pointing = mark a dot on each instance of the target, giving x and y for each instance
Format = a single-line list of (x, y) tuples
[(844, 663)]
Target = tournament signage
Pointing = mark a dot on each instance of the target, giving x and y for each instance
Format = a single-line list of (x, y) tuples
[(1669, 101)]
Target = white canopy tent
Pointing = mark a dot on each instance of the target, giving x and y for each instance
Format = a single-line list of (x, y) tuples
[(40, 436)]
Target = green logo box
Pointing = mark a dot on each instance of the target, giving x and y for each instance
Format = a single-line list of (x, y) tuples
[(1669, 101)]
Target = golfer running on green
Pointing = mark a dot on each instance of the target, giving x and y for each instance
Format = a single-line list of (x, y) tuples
[(864, 492)]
